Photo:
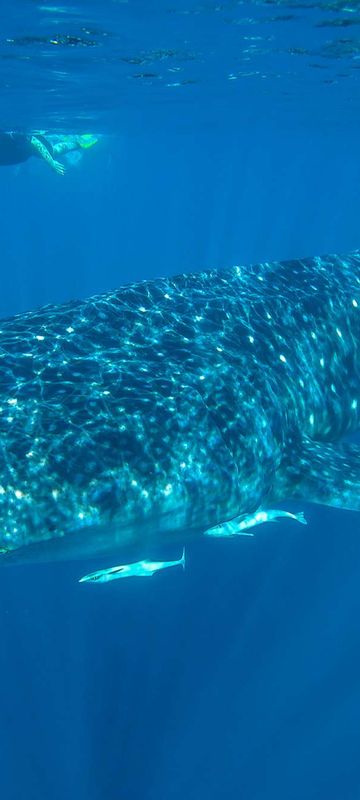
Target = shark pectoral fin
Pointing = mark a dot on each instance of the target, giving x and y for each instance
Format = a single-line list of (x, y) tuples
[(328, 474)]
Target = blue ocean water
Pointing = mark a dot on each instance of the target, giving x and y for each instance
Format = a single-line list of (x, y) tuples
[(228, 133)]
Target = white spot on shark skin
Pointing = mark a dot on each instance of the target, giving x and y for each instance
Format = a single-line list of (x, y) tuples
[(251, 339), (12, 401), (40, 338), (338, 331), (355, 303), (69, 329), (142, 309), (282, 358), (168, 489), (354, 405)]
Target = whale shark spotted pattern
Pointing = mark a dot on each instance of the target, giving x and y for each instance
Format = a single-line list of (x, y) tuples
[(156, 412)]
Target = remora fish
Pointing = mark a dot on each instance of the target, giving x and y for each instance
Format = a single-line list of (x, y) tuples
[(240, 525), (140, 569), (156, 412)]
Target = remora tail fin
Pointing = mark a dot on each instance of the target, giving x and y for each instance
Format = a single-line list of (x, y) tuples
[(182, 560)]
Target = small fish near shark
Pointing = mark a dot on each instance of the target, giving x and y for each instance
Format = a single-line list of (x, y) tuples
[(139, 569), (179, 407), (240, 525)]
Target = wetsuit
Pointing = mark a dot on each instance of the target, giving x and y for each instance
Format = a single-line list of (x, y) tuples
[(14, 148), (18, 147)]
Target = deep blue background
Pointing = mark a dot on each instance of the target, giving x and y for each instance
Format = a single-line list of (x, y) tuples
[(239, 678)]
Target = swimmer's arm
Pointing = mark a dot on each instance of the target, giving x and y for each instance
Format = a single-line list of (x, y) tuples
[(44, 153)]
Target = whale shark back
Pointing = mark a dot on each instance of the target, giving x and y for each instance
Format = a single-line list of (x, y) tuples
[(167, 407)]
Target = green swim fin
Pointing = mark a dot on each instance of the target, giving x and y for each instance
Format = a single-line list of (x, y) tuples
[(87, 140)]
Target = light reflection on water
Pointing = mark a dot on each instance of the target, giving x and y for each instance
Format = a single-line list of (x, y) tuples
[(75, 66)]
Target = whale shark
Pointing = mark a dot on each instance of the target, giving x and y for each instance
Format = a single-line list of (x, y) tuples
[(157, 412)]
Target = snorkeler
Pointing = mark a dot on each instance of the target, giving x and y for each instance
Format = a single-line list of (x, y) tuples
[(17, 147)]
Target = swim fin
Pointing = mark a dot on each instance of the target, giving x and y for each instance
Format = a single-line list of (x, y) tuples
[(87, 140)]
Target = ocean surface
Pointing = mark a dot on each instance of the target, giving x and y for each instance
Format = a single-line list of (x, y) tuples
[(228, 134)]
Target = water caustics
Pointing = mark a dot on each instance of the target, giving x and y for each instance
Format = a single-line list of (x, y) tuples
[(160, 411)]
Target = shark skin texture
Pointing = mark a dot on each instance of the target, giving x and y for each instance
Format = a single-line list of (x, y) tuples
[(151, 414)]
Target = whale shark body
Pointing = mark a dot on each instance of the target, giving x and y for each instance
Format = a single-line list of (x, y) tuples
[(154, 413)]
